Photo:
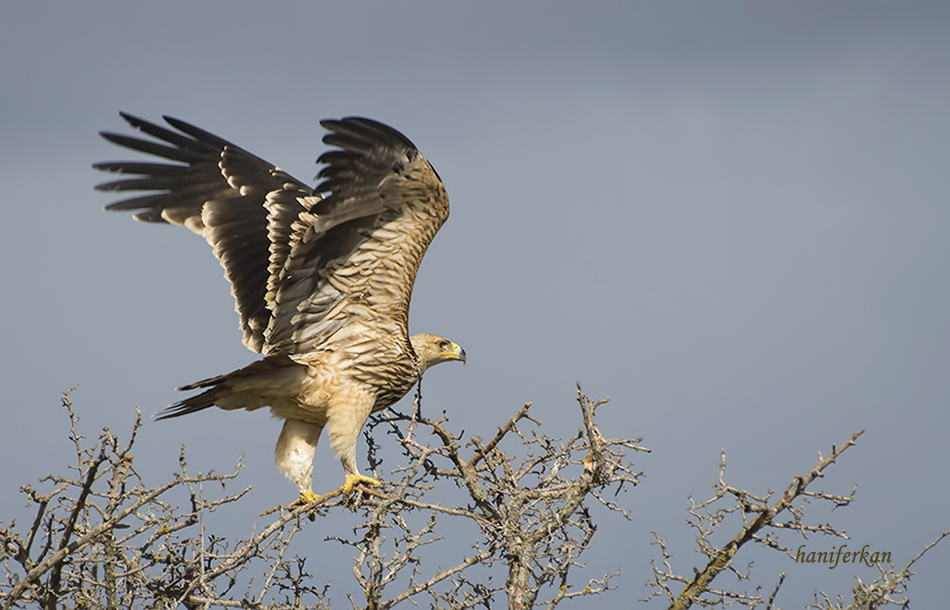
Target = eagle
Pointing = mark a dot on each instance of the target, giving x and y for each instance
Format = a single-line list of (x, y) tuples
[(322, 277)]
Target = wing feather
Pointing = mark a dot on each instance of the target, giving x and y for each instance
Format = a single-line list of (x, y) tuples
[(218, 193), (363, 241), (304, 264)]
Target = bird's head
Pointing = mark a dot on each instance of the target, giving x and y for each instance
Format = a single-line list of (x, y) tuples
[(433, 349)]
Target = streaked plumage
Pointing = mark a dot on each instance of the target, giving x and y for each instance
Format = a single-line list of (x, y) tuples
[(322, 278)]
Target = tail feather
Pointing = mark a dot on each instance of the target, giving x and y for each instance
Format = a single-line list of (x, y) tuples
[(204, 383), (189, 405), (251, 387)]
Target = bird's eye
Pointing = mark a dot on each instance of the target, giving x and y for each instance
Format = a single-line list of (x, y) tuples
[(444, 346)]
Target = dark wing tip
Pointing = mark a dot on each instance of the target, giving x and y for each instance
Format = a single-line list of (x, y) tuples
[(362, 129), (133, 120)]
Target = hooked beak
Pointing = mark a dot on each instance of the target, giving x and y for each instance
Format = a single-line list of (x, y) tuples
[(456, 353)]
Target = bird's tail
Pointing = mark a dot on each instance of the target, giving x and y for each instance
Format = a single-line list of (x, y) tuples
[(195, 403), (245, 388)]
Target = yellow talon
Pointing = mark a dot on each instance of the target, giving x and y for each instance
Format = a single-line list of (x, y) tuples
[(358, 478), (305, 498)]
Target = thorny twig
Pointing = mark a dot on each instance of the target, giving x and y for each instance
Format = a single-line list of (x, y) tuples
[(106, 539), (759, 523), (879, 592), (102, 538), (758, 516)]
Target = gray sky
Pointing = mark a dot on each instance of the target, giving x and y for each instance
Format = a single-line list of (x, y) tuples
[(731, 218)]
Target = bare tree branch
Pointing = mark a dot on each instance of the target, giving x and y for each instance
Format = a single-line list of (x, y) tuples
[(101, 537)]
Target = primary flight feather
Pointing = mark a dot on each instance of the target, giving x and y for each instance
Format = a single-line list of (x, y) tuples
[(322, 277)]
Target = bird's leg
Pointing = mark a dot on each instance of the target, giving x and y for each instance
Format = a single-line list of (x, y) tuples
[(345, 419), (294, 455)]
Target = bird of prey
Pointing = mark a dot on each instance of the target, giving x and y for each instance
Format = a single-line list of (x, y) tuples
[(322, 277)]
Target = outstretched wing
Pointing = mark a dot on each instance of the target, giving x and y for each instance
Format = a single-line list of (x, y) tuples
[(355, 254), (302, 267), (241, 204)]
